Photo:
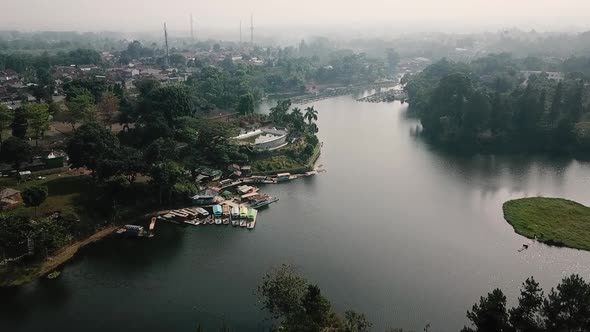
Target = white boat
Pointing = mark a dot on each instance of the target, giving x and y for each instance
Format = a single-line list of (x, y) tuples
[(218, 221), (225, 221), (194, 222)]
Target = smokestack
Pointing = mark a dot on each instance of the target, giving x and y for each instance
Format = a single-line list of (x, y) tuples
[(167, 60)]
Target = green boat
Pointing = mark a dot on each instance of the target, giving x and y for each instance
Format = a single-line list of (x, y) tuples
[(53, 275)]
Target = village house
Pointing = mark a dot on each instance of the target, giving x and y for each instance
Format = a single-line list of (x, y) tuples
[(9, 199)]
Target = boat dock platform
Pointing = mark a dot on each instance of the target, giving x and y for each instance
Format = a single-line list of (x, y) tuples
[(246, 219)]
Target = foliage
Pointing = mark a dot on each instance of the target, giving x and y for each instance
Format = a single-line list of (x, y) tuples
[(6, 118), (246, 104), (15, 151), (489, 105), (108, 107), (565, 308), (296, 305), (34, 196), (551, 220), (80, 108), (164, 176), (165, 104), (91, 144), (20, 123), (38, 115)]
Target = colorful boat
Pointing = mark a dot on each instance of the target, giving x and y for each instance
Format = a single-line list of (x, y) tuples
[(252, 213), (217, 210), (235, 212), (243, 212)]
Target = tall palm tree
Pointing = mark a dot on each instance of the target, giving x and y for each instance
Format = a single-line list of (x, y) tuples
[(297, 118), (311, 114)]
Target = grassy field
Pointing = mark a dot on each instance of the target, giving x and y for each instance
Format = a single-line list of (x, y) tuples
[(554, 221)]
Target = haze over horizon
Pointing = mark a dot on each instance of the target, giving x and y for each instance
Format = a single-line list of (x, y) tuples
[(275, 16)]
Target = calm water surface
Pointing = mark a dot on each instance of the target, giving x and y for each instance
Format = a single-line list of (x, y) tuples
[(394, 229)]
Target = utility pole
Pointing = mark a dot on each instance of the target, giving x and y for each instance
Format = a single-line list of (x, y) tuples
[(252, 29), (167, 61), (192, 31)]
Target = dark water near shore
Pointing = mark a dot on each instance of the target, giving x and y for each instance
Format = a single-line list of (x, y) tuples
[(394, 229)]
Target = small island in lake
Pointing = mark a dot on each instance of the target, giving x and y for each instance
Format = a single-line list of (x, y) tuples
[(554, 221)]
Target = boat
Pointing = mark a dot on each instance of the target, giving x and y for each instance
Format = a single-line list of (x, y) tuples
[(258, 202), (218, 221), (225, 221), (243, 212), (217, 210), (283, 177), (235, 212), (133, 231), (252, 214), (243, 223), (53, 275), (226, 210), (202, 211), (194, 222)]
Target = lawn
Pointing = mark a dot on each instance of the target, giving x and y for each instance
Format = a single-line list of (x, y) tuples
[(554, 221), (64, 192)]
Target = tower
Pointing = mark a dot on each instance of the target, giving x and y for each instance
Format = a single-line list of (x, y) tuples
[(240, 32), (192, 31), (167, 60), (252, 29)]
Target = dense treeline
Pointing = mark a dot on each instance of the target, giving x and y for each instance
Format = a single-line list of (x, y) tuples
[(20, 62), (489, 104), (296, 305), (564, 308)]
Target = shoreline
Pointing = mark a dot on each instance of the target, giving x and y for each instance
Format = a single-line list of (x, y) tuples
[(59, 258)]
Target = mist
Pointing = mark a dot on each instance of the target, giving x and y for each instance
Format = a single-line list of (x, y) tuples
[(353, 18)]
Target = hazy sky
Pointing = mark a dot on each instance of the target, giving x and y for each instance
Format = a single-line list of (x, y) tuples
[(148, 15)]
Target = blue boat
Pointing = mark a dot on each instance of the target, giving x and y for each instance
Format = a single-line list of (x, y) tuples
[(217, 210)]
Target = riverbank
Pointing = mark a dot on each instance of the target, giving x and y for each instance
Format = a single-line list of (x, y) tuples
[(554, 221), (21, 274)]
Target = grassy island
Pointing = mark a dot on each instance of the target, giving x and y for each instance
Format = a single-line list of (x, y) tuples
[(553, 221)]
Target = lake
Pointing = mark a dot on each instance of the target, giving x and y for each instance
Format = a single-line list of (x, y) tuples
[(396, 229)]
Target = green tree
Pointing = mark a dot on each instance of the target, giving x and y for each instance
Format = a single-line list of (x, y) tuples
[(246, 104), (355, 322), (6, 118), (168, 103), (38, 115), (164, 176), (279, 112), (90, 145), (34, 196), (311, 114), (81, 108), (526, 317), (20, 123), (490, 314), (15, 151), (567, 308), (108, 107)]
